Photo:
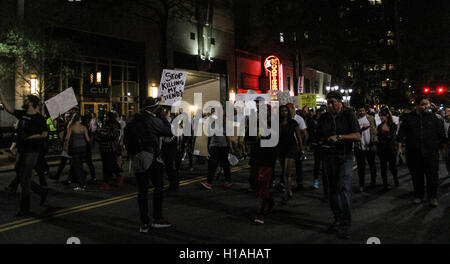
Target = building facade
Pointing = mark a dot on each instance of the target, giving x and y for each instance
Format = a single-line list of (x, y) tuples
[(120, 53)]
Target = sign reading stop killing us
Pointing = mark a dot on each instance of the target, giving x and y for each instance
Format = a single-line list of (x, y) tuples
[(172, 86)]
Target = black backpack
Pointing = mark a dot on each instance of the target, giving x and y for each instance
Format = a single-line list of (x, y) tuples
[(136, 135)]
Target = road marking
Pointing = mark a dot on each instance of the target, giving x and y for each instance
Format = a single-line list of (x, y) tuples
[(93, 205)]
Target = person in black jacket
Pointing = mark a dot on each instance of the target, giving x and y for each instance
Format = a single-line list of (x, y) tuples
[(108, 137), (338, 129), (423, 135), (147, 164), (387, 147)]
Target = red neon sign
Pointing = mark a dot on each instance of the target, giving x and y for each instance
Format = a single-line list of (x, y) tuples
[(272, 66)]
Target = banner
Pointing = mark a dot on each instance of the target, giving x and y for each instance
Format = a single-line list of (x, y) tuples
[(172, 86), (307, 100), (61, 103)]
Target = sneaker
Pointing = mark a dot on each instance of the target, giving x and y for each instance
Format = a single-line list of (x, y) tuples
[(259, 220), (316, 184), (105, 187), (79, 188), (434, 202), (161, 223), (228, 184), (417, 201), (206, 185), (144, 228)]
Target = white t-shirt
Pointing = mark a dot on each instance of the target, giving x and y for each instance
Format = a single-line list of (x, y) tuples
[(365, 135), (396, 120), (301, 123)]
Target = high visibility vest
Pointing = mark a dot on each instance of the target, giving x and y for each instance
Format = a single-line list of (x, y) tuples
[(52, 129)]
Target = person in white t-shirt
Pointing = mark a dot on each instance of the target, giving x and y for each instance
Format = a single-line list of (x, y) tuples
[(366, 148)]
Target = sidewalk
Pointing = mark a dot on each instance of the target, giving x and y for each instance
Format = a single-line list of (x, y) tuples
[(7, 160)]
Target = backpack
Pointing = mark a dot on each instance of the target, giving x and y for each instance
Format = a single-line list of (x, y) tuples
[(136, 137)]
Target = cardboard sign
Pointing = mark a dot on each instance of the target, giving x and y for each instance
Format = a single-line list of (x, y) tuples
[(172, 85), (61, 103), (307, 100)]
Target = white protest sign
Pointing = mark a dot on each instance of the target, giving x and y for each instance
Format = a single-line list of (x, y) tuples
[(61, 103), (172, 86)]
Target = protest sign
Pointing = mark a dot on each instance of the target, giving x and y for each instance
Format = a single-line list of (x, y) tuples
[(61, 103), (307, 100), (172, 86)]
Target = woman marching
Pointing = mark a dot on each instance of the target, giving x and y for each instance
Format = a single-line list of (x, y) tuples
[(387, 147), (290, 144), (76, 143)]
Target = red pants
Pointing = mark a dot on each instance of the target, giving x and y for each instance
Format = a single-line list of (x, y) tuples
[(262, 175)]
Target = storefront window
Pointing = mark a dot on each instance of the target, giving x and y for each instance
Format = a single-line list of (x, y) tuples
[(132, 91), (116, 74), (132, 74)]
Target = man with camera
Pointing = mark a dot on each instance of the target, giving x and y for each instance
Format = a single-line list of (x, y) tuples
[(142, 139), (32, 131), (338, 129)]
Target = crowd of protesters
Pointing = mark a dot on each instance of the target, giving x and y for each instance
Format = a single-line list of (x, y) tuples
[(336, 136)]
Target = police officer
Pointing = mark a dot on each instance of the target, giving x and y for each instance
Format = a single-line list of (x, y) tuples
[(338, 129)]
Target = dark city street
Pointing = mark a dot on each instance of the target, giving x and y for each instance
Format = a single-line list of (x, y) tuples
[(225, 131)]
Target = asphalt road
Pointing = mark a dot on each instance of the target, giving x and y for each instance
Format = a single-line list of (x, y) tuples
[(223, 215)]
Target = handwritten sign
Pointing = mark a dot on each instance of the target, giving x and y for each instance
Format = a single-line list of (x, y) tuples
[(61, 103), (307, 100), (172, 86)]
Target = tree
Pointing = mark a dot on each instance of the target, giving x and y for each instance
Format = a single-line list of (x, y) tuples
[(23, 54)]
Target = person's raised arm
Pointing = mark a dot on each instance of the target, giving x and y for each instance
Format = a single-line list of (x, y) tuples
[(7, 106)]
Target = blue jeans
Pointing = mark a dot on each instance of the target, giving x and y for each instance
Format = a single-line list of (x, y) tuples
[(339, 171)]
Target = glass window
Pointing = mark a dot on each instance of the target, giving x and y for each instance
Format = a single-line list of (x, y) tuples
[(390, 42), (75, 84), (132, 89), (281, 37), (132, 74), (391, 67), (73, 68), (383, 67), (116, 74), (376, 67), (116, 89)]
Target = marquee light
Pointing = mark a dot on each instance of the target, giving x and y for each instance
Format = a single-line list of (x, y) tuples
[(273, 68)]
